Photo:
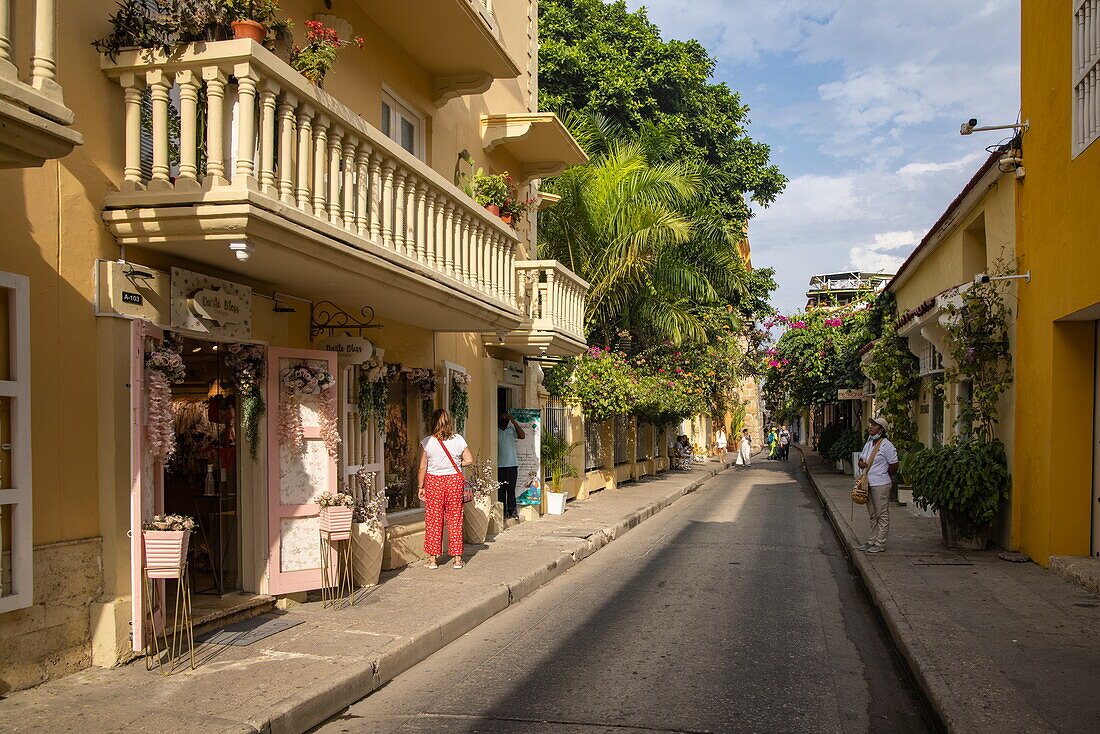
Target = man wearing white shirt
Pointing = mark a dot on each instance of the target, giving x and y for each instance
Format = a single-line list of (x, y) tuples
[(880, 475)]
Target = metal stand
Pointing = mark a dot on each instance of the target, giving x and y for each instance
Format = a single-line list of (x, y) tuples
[(337, 580), (182, 627)]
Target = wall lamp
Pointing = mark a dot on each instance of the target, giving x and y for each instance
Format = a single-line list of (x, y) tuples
[(243, 250)]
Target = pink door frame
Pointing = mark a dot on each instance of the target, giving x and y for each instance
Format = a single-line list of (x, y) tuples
[(286, 582)]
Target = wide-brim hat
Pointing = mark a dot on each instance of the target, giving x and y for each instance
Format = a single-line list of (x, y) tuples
[(882, 422)]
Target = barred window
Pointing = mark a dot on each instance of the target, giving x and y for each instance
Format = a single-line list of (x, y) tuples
[(1086, 74)]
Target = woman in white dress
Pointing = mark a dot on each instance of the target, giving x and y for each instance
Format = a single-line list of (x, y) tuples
[(721, 442), (744, 451)]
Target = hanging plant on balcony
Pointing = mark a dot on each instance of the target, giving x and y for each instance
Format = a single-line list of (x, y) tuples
[(320, 51), (460, 399), (306, 379), (165, 368), (424, 380), (514, 208), (163, 25), (248, 364), (373, 395), (491, 190)]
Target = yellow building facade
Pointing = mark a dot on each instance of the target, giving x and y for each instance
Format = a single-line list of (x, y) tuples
[(1055, 510), (215, 195)]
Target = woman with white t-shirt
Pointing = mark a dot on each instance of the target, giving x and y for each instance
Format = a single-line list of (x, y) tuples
[(440, 487)]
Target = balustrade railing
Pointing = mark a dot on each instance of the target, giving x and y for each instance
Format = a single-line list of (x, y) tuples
[(247, 120), (553, 293)]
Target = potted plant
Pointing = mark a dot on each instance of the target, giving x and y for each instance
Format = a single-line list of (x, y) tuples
[(368, 529), (967, 481), (555, 456), (482, 478), (336, 514), (905, 468), (248, 18), (320, 51), (164, 541), (513, 207), (491, 190)]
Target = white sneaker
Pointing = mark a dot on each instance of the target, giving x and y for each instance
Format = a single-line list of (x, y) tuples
[(876, 548), (864, 546)]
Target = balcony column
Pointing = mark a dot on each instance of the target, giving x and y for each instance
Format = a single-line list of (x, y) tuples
[(386, 203), (7, 68), (503, 276), (43, 63), (411, 215), (245, 169), (493, 246), (485, 236), (131, 172), (159, 84), (431, 254), (320, 165), (349, 184), (398, 229), (510, 268), (305, 157), (215, 115), (287, 136), (375, 197), (550, 308), (447, 238), (362, 190), (464, 259), (189, 105), (335, 176), (268, 92), (422, 222)]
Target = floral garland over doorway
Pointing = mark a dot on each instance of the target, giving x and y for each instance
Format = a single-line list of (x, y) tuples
[(248, 364), (305, 379), (165, 368), (460, 399)]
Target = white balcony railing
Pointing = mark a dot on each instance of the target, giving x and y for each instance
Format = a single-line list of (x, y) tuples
[(555, 296), (248, 121)]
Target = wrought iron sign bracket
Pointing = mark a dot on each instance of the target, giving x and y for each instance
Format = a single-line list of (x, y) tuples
[(327, 317)]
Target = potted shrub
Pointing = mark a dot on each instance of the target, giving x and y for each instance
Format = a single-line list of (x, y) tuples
[(555, 457), (842, 448), (967, 481), (513, 207), (248, 18), (320, 51), (482, 478), (336, 514), (164, 541), (905, 468), (368, 529), (491, 190)]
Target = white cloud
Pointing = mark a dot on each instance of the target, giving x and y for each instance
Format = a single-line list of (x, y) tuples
[(886, 253), (959, 164)]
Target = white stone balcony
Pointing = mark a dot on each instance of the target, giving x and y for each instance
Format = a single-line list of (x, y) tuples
[(328, 204), (552, 298), (33, 117)]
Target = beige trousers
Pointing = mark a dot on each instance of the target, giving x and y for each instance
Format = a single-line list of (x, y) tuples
[(878, 510)]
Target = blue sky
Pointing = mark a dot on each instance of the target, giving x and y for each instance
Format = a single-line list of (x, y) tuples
[(861, 102)]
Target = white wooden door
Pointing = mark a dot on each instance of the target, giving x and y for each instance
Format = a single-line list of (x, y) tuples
[(361, 448), (146, 473), (295, 478)]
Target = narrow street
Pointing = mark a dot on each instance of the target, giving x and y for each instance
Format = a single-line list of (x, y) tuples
[(732, 610)]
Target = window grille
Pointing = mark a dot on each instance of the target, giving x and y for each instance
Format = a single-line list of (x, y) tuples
[(1086, 74), (593, 448), (553, 423), (16, 548), (622, 427)]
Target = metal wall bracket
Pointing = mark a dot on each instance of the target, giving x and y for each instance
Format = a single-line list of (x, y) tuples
[(326, 316)]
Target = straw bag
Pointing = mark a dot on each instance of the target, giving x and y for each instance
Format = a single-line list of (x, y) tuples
[(859, 491)]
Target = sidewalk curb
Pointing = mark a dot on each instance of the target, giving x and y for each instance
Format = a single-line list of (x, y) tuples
[(945, 705), (316, 703)]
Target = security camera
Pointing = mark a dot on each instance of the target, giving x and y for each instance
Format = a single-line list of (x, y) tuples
[(501, 335), (968, 126), (981, 279), (243, 250)]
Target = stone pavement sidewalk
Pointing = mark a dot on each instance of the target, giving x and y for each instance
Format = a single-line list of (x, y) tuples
[(299, 677), (995, 646)]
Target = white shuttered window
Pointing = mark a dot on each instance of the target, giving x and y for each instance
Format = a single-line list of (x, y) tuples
[(1086, 74), (16, 547)]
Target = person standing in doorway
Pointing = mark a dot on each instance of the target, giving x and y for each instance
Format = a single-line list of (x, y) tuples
[(879, 459), (744, 451), (784, 443), (721, 442), (508, 432), (440, 487)]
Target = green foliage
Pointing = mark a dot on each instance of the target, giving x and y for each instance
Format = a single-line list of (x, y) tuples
[(602, 58), (491, 189), (555, 455), (603, 384), (907, 461), (261, 11), (895, 371), (847, 443), (556, 378), (828, 436), (371, 401), (969, 476), (320, 51), (460, 406)]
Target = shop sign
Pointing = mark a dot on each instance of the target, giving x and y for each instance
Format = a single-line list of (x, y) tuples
[(209, 305), (514, 373), (349, 349), (853, 394)]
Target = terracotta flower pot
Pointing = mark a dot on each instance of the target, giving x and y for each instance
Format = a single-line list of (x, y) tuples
[(336, 522), (165, 552), (249, 29), (475, 520), (493, 209), (507, 219), (369, 545)]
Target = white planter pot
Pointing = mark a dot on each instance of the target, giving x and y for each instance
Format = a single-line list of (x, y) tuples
[(369, 545), (855, 463), (555, 503), (905, 496)]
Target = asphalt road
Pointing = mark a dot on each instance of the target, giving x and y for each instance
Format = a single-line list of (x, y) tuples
[(733, 610)]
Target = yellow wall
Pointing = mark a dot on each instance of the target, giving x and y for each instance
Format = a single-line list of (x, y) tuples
[(1058, 226)]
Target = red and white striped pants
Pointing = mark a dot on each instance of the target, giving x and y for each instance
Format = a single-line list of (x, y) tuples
[(443, 499)]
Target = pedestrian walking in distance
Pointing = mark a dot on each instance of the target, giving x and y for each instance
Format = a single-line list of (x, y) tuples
[(744, 450), (784, 443), (508, 432), (440, 487), (721, 442), (879, 459), (684, 453)]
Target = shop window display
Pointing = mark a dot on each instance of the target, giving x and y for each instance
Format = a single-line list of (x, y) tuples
[(401, 449)]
